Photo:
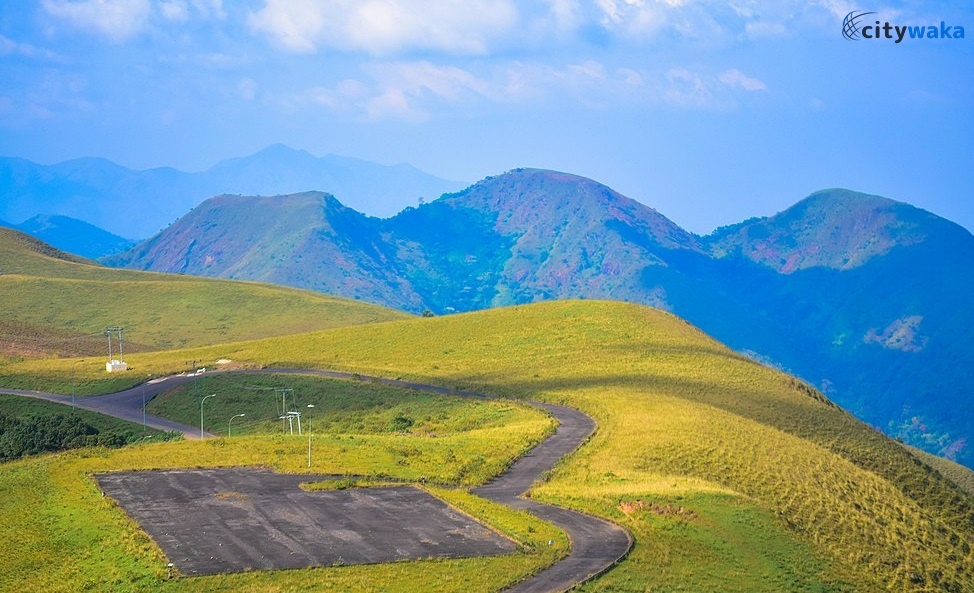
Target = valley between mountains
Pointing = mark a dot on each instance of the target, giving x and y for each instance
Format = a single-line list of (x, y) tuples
[(866, 298), (729, 475)]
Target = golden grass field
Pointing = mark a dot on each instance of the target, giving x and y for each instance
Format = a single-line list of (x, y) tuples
[(731, 476), (56, 304)]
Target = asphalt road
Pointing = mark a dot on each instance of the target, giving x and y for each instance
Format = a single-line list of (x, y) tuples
[(596, 545), (127, 404)]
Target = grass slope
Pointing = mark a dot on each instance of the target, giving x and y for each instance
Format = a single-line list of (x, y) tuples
[(59, 534), (730, 475), (58, 304)]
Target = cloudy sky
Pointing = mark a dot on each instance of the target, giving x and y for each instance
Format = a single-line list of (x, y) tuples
[(710, 111)]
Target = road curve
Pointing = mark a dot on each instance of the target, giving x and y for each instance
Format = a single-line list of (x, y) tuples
[(596, 544), (126, 405)]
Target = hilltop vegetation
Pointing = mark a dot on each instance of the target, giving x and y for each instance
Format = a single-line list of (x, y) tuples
[(864, 297), (55, 303), (730, 475)]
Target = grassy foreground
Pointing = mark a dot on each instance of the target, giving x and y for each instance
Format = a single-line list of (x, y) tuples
[(59, 534), (730, 475)]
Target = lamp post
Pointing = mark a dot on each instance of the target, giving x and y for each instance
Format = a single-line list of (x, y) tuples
[(201, 412), (143, 401), (309, 435), (231, 421), (74, 370)]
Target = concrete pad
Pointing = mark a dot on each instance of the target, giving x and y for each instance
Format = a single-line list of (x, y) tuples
[(232, 520)]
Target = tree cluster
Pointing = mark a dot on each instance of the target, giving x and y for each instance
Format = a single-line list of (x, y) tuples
[(48, 433)]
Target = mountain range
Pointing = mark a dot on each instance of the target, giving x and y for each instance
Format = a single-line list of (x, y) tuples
[(864, 297), (72, 235), (137, 204)]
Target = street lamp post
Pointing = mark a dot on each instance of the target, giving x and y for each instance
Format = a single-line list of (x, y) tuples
[(74, 371), (201, 412), (231, 421), (143, 401), (309, 435)]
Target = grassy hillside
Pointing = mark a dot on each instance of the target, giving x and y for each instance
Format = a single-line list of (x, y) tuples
[(730, 475), (59, 534), (58, 304), (861, 296)]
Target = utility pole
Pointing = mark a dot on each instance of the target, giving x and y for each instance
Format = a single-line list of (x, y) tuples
[(285, 416), (112, 366), (309, 436)]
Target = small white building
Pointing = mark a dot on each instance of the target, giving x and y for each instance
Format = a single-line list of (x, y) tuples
[(114, 366)]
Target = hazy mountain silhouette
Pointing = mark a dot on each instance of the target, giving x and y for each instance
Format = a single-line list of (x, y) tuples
[(139, 203)]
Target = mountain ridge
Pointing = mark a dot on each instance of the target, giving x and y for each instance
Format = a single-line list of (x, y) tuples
[(73, 235), (860, 225), (138, 203), (860, 295)]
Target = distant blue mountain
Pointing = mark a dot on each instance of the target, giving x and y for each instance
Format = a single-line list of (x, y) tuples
[(139, 204), (73, 235)]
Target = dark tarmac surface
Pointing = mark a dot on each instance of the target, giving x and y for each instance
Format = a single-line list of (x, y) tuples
[(597, 544), (231, 520)]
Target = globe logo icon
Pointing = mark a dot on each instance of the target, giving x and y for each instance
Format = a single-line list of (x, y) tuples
[(850, 24)]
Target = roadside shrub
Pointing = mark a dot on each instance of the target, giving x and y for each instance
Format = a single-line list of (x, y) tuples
[(51, 433)]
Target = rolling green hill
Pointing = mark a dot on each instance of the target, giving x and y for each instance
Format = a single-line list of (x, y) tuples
[(59, 304), (731, 476), (864, 297)]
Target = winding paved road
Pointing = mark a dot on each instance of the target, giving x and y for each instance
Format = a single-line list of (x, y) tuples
[(596, 544)]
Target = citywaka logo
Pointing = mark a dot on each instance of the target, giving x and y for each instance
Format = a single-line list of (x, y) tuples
[(856, 25)]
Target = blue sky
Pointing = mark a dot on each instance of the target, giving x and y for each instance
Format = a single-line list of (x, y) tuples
[(711, 112)]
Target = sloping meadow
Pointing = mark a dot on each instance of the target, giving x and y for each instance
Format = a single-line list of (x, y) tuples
[(731, 476)]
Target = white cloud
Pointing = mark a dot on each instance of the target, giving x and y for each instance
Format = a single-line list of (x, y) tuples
[(838, 8), (210, 8), (418, 91), (10, 47), (589, 70), (347, 97), (295, 25), (565, 15), (710, 21), (399, 90), (384, 27), (247, 88), (116, 19), (758, 29), (119, 20), (693, 89), (685, 88), (406, 87), (634, 18), (737, 79), (176, 11)]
